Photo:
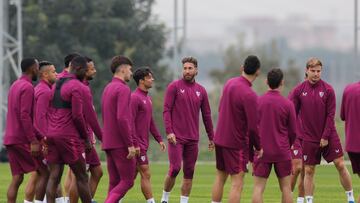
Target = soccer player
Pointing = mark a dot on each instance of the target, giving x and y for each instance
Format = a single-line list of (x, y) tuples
[(184, 99), (47, 75), (68, 58), (350, 112), (68, 137), (69, 175), (297, 162), (118, 142), (314, 102), (277, 131), (92, 158), (21, 140), (237, 125), (143, 123)]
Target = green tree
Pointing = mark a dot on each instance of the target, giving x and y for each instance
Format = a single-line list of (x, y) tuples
[(99, 29)]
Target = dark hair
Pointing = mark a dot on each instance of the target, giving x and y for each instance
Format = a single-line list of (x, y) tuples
[(141, 73), (43, 64), (27, 63), (88, 59), (78, 66), (69, 58), (251, 64), (117, 61), (190, 59), (274, 78)]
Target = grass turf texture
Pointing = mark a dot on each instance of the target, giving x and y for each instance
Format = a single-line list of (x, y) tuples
[(327, 185)]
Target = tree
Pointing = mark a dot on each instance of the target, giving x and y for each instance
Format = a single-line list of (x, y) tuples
[(99, 29)]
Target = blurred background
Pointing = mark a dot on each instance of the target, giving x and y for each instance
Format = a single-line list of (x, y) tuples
[(158, 33)]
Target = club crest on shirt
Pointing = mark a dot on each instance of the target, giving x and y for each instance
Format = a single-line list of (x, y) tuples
[(144, 101), (198, 93), (321, 94), (296, 152), (143, 158), (337, 150), (304, 94), (182, 91), (305, 157)]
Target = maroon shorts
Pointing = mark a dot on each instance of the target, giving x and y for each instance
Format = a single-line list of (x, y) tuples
[(20, 159), (185, 153), (296, 152), (92, 158), (142, 159), (64, 150), (263, 169), (312, 151), (232, 161), (355, 162)]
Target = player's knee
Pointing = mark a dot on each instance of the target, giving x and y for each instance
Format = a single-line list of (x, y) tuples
[(309, 171), (238, 186), (128, 183), (18, 179), (98, 174), (82, 177), (174, 170), (146, 175)]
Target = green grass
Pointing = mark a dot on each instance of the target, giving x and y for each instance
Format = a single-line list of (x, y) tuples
[(327, 190)]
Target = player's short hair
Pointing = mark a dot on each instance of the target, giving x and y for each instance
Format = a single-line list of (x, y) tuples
[(190, 59), (251, 64), (274, 78), (78, 66), (88, 59), (117, 61), (312, 62), (68, 58), (141, 73), (43, 64), (27, 63)]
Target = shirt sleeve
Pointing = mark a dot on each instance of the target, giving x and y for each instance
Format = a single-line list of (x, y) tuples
[(292, 124), (343, 107), (90, 114), (330, 117), (77, 106), (294, 98), (123, 116), (41, 112), (134, 111), (155, 131), (206, 115), (169, 101), (26, 111), (250, 107)]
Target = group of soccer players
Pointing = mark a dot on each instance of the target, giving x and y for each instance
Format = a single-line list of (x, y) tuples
[(55, 124)]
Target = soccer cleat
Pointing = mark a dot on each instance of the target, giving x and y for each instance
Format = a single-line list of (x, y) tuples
[(93, 201), (164, 202), (351, 202)]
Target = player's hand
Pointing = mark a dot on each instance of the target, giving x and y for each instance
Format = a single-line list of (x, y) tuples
[(259, 153), (131, 152), (324, 143), (45, 147), (211, 145), (137, 151), (162, 146), (88, 146), (171, 138), (292, 147), (35, 148)]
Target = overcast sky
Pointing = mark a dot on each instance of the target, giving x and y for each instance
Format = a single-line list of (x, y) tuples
[(211, 19)]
